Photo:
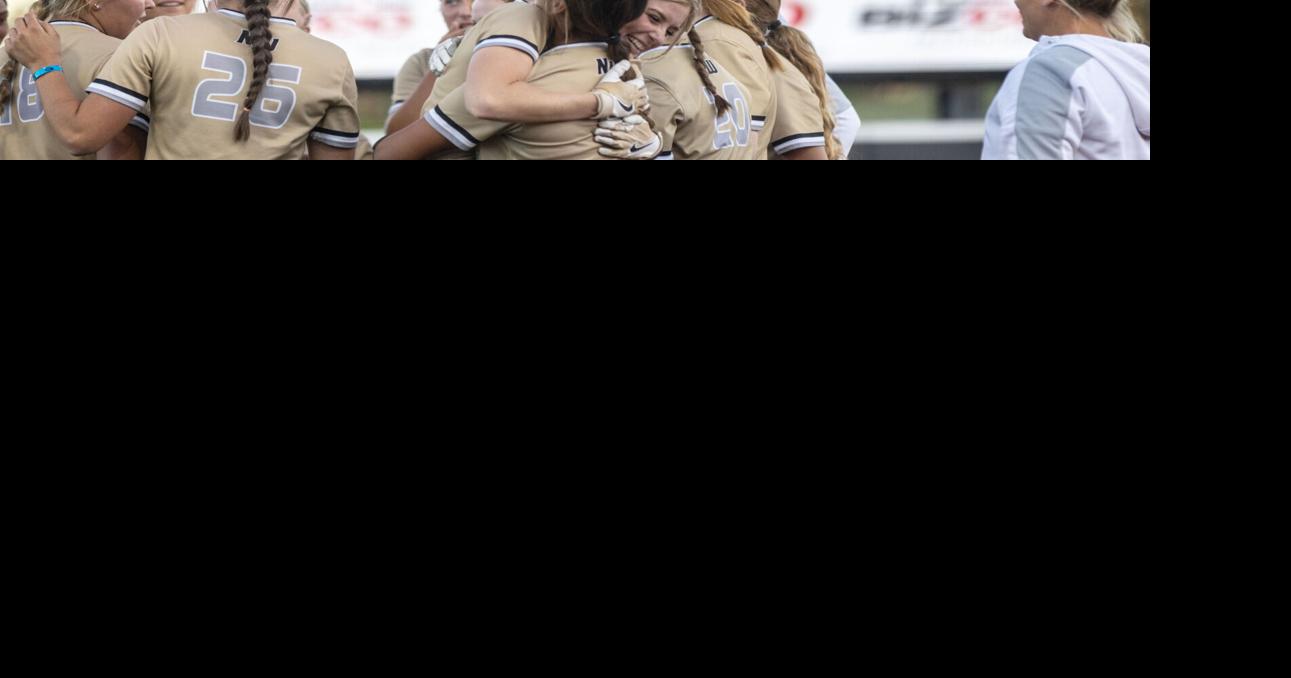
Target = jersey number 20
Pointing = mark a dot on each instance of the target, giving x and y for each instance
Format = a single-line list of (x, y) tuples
[(732, 126)]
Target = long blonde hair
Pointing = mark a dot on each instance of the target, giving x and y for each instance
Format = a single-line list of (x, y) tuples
[(732, 14), (696, 9), (796, 47), (1117, 17)]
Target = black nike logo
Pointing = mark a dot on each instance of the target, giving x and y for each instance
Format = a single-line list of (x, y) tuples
[(637, 149)]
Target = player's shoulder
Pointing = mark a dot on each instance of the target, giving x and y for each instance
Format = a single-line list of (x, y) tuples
[(319, 51), (513, 22), (792, 81), (514, 13), (665, 66), (85, 37)]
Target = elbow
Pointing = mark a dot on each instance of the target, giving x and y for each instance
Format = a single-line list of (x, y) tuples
[(81, 144), (79, 141), (485, 105)]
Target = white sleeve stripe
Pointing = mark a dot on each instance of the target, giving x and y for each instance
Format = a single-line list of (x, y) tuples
[(122, 98), (139, 122), (445, 128), (795, 144), (335, 141), (509, 42)]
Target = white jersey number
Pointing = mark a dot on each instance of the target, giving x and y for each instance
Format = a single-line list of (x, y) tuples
[(732, 126), (282, 98), (26, 99)]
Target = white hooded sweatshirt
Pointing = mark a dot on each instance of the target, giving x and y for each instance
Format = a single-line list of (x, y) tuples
[(1075, 97)]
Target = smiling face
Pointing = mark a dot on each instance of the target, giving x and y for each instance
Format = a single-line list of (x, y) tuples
[(662, 20), (171, 8)]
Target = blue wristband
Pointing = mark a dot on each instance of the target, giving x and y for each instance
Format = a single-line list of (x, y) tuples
[(44, 72)]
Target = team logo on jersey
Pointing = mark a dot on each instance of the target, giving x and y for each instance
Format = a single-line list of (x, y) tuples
[(602, 66), (712, 67), (245, 39)]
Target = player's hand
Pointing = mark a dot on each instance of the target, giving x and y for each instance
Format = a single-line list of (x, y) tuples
[(443, 55), (629, 138), (618, 99), (34, 43)]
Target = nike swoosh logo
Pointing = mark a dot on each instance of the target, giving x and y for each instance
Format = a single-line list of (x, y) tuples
[(637, 149)]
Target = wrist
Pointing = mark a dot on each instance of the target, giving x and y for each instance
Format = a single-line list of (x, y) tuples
[(43, 67)]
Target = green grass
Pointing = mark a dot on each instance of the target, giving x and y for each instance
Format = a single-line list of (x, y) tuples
[(876, 101), (374, 103), (893, 101)]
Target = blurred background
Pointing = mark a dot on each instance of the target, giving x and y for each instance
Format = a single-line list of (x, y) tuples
[(921, 73)]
